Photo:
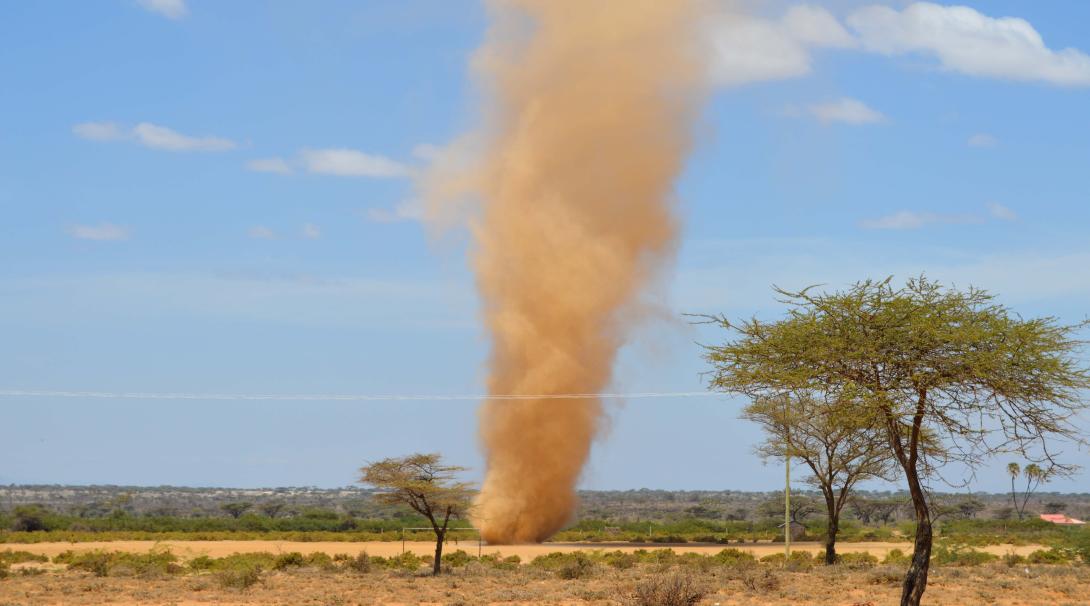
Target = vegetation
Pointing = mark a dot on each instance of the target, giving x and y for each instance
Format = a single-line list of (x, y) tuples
[(946, 376), (423, 483), (840, 449), (1034, 475)]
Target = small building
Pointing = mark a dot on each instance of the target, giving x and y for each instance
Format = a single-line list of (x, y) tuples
[(1059, 518)]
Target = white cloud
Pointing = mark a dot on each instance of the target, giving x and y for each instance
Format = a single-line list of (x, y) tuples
[(982, 140), (161, 137), (914, 220), (351, 163), (98, 131), (1001, 212), (261, 232), (269, 165), (749, 49), (102, 231), (407, 210), (171, 9), (966, 41), (846, 110), (311, 231)]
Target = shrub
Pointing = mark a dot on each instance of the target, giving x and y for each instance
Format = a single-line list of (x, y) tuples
[(1054, 555), (5, 570), (321, 560), (18, 557), (667, 590), (857, 560), (896, 557), (886, 575), (960, 555), (799, 561), (761, 580), (201, 562), (457, 559), (1013, 559), (619, 560), (292, 559), (242, 577), (361, 563), (578, 568), (29, 518), (734, 557)]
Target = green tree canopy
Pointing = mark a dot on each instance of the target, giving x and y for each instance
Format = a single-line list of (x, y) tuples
[(423, 483), (951, 375)]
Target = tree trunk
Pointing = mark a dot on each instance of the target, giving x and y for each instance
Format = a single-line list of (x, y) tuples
[(831, 529), (438, 562), (916, 578), (832, 526)]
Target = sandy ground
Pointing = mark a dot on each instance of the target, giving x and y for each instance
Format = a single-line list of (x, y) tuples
[(189, 549)]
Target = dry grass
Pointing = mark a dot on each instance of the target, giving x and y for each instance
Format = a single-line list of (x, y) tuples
[(476, 583)]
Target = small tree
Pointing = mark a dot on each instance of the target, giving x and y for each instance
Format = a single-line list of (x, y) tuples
[(235, 510), (935, 365), (839, 450), (877, 511), (1035, 476), (272, 508), (427, 486)]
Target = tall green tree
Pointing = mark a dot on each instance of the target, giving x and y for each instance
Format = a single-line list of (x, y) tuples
[(839, 449), (425, 485), (952, 375)]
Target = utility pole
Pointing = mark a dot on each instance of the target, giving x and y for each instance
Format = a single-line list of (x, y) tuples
[(787, 512)]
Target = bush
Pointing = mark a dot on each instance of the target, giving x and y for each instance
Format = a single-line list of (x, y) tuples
[(619, 560), (960, 555), (457, 559), (578, 568), (29, 518), (896, 557), (886, 575), (1054, 555), (857, 560), (321, 560), (284, 561), (667, 590), (1013, 559), (18, 557), (241, 578), (800, 561), (734, 557), (361, 563), (761, 580), (5, 570), (119, 563)]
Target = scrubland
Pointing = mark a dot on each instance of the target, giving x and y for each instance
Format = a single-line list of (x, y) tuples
[(961, 575)]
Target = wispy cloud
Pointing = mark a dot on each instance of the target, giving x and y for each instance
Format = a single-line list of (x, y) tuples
[(845, 110), (98, 131), (261, 232), (171, 9), (102, 231), (311, 231), (152, 136), (161, 137), (968, 42), (344, 162), (982, 140), (906, 219), (998, 211), (407, 210), (269, 165)]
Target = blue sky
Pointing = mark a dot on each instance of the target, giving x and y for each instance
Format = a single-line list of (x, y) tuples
[(210, 197)]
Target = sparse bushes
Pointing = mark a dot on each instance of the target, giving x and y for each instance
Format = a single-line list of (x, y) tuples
[(292, 559), (960, 555), (667, 590), (240, 578), (761, 580), (734, 557), (574, 565), (119, 563), (18, 557), (857, 560)]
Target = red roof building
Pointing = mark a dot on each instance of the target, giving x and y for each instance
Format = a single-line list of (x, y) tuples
[(1059, 518)]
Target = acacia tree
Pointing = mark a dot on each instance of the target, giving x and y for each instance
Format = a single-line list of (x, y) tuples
[(1035, 476), (951, 368), (427, 486), (839, 449)]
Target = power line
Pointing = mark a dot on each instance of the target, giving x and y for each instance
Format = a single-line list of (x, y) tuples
[(133, 395)]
